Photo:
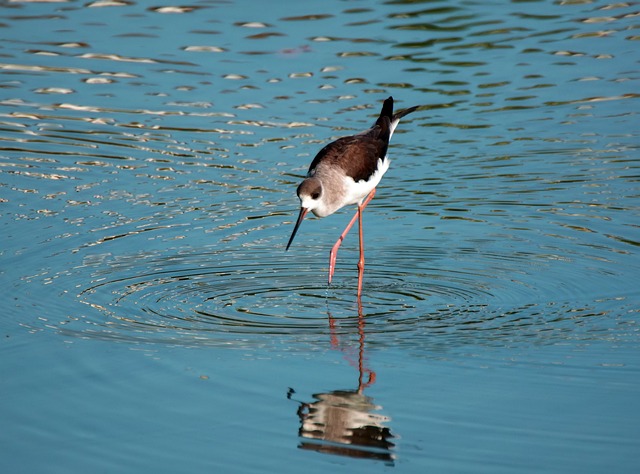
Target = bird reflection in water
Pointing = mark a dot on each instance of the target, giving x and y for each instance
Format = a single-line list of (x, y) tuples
[(346, 422)]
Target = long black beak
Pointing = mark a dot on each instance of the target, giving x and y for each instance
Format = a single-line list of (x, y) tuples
[(303, 212)]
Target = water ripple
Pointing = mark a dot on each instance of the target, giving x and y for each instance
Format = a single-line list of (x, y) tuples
[(116, 148), (257, 297)]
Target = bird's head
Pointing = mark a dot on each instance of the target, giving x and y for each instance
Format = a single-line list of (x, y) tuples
[(310, 195)]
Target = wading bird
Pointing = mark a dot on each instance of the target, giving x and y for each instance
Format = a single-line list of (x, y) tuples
[(345, 172)]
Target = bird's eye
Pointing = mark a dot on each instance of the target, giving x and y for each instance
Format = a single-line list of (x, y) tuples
[(315, 196)]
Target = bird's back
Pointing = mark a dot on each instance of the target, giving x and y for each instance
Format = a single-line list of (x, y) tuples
[(357, 155)]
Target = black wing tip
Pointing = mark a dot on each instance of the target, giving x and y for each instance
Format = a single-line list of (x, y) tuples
[(387, 108), (398, 115)]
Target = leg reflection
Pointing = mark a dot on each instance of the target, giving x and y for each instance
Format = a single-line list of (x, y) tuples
[(347, 422)]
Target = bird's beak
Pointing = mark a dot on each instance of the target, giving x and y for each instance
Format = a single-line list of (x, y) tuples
[(303, 212)]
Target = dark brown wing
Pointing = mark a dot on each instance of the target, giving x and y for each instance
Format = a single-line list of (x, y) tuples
[(357, 155)]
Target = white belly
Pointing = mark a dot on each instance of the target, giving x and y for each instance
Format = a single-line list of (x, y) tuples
[(355, 192)]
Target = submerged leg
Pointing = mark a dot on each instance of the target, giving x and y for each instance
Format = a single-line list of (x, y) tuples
[(361, 260), (333, 255)]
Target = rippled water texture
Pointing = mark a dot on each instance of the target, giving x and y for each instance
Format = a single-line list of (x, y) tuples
[(149, 156)]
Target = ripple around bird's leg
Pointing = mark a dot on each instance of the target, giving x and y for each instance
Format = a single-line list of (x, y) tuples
[(241, 297)]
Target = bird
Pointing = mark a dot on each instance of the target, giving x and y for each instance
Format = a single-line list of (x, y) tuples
[(345, 172)]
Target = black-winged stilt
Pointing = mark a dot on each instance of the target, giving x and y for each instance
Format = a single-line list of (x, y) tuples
[(345, 172)]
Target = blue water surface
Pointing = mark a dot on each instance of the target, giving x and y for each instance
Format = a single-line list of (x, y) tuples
[(153, 322)]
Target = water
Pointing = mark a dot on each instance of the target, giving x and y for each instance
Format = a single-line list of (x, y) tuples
[(152, 321)]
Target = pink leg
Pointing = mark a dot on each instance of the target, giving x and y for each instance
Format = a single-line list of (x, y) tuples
[(334, 250), (333, 255), (361, 260)]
